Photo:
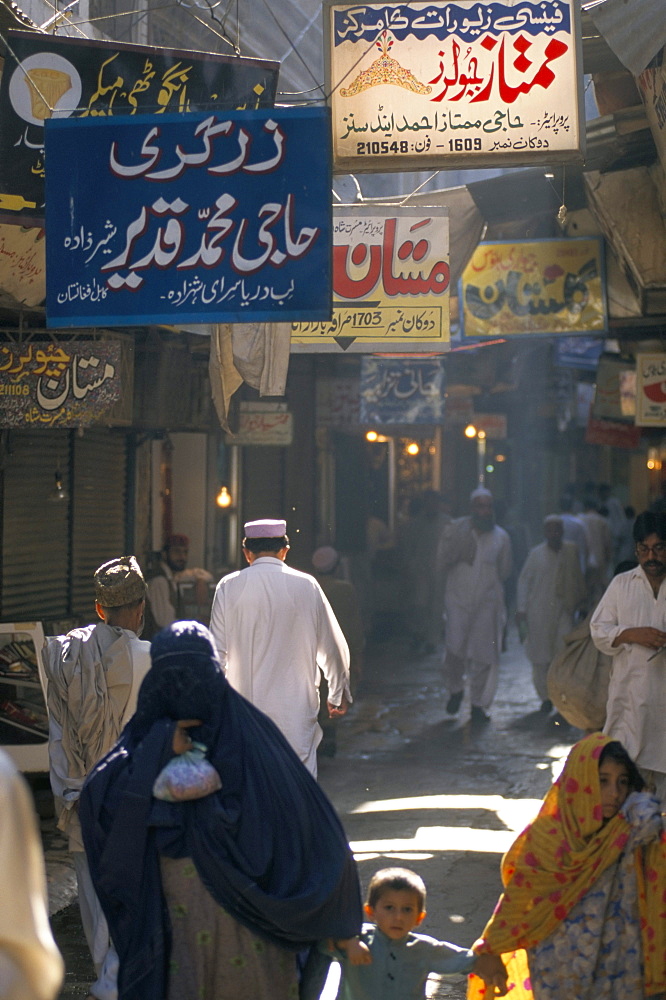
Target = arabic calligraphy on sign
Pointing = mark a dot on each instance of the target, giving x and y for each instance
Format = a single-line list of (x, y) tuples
[(505, 73), (201, 218), (395, 391), (43, 383), (390, 280), (542, 287)]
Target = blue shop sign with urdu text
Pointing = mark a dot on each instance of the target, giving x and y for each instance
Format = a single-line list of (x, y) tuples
[(198, 218), (402, 390)]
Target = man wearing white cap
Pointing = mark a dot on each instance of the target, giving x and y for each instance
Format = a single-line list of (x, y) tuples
[(477, 554), (93, 679), (274, 629)]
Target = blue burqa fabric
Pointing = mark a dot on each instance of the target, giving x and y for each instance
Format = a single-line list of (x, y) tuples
[(268, 846)]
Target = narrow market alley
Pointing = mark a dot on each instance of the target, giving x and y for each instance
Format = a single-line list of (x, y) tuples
[(414, 788)]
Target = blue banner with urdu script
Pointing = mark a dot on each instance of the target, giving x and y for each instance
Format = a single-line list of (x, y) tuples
[(197, 218)]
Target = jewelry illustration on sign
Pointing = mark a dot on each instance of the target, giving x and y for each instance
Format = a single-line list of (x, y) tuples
[(385, 70)]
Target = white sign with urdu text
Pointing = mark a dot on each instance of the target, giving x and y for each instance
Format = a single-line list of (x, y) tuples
[(263, 424), (391, 280), (464, 83), (651, 390)]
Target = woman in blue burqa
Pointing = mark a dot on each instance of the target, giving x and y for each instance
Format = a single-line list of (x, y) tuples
[(220, 897)]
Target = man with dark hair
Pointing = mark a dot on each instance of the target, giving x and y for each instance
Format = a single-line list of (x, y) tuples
[(629, 625), (274, 629), (165, 603), (93, 679)]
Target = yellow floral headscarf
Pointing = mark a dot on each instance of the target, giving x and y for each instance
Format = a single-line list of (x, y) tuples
[(555, 862)]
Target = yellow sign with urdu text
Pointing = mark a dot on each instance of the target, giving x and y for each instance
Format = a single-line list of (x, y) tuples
[(545, 287), (390, 283)]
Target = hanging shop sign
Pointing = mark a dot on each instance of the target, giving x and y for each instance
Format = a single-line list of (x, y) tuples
[(578, 352), (612, 433), (262, 423), (542, 288), (402, 391), (58, 383), (49, 76), (615, 390), (482, 83), (390, 283), (189, 218), (651, 390)]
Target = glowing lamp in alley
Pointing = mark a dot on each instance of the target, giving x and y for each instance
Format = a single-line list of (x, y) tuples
[(371, 436), (470, 431), (412, 448), (223, 498)]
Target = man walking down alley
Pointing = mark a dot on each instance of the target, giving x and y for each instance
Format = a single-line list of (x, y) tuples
[(551, 588), (93, 679), (629, 624), (477, 555), (274, 630)]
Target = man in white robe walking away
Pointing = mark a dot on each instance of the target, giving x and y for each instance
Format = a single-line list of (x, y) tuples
[(629, 625), (551, 588), (274, 629), (476, 553), (93, 679)]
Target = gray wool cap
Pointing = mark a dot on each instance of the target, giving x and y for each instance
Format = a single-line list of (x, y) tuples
[(118, 582)]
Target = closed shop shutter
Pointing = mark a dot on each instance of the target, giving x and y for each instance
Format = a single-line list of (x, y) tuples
[(263, 483), (35, 527), (98, 510)]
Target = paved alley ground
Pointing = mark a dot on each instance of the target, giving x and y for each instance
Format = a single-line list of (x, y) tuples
[(413, 787)]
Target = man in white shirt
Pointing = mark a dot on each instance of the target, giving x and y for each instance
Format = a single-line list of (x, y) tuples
[(477, 554), (600, 550), (274, 628), (93, 679), (629, 624), (550, 589)]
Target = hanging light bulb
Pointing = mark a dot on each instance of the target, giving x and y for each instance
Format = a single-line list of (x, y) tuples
[(223, 498), (59, 492)]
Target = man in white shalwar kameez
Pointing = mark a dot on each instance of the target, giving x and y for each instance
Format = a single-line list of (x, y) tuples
[(477, 555), (274, 629), (551, 588), (629, 625)]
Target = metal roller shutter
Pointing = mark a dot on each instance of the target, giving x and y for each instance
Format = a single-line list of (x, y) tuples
[(98, 510), (35, 527)]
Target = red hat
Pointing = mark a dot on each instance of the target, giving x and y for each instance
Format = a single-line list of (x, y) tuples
[(177, 540)]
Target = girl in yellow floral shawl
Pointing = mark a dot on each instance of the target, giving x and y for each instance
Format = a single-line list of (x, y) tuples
[(583, 912)]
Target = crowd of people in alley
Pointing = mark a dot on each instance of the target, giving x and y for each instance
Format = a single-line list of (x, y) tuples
[(210, 862)]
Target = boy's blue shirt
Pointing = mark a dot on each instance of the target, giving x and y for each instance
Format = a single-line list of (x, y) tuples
[(399, 969)]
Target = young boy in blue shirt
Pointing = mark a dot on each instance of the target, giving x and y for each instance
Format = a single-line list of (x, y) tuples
[(388, 961)]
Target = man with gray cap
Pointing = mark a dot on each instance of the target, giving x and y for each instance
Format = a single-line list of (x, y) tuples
[(274, 629), (93, 678), (476, 553)]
